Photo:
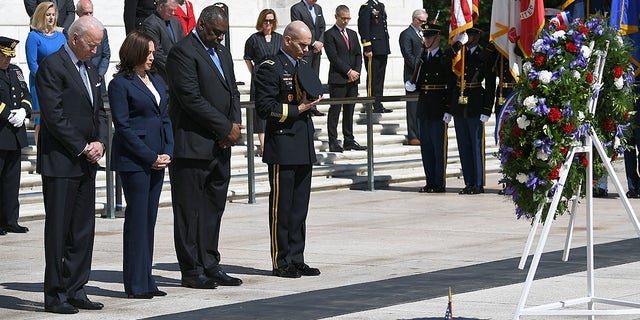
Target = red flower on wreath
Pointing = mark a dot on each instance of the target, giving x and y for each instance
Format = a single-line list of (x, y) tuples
[(517, 153), (617, 72), (627, 115), (584, 161), (571, 47), (539, 61), (554, 174), (561, 27), (516, 131), (609, 125), (614, 157), (554, 115), (564, 151), (535, 83), (568, 128), (583, 29), (589, 77)]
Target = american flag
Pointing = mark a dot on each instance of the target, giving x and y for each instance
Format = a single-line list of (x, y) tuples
[(448, 315)]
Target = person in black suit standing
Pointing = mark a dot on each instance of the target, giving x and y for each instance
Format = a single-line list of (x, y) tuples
[(205, 114), (372, 26), (72, 136), (288, 149), (66, 12), (165, 30), (411, 44), (310, 13), (135, 11), (15, 106), (142, 149), (345, 63)]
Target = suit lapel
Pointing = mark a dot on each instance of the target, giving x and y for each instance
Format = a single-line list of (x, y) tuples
[(75, 74), (199, 48), (142, 87)]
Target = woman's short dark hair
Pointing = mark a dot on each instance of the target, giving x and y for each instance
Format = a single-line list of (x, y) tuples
[(133, 52)]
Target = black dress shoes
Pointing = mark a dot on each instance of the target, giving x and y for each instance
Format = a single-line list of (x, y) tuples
[(61, 308), (222, 278), (633, 194), (15, 229), (472, 190), (85, 304), (335, 147), (199, 282), (158, 293), (305, 270), (2, 232), (354, 146), (140, 296), (289, 271), (381, 109)]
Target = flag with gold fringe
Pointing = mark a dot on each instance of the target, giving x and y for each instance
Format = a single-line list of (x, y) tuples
[(463, 14), (505, 31), (531, 23)]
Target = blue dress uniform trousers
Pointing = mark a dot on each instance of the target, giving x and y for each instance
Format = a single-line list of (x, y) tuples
[(470, 138)]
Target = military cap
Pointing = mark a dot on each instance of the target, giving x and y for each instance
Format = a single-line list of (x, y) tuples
[(430, 29), (474, 30), (8, 46), (306, 80)]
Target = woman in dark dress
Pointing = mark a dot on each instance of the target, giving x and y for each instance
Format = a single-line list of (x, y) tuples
[(259, 47)]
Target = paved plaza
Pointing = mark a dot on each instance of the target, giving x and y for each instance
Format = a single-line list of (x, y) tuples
[(387, 254)]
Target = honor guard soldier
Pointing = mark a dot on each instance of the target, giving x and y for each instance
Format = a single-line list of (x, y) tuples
[(372, 26), (434, 83), (506, 82), (15, 106), (286, 91), (471, 105)]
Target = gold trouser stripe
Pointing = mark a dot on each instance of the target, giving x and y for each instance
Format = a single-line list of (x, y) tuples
[(484, 172), (369, 76), (2, 105), (446, 145), (274, 214), (285, 112), (27, 102)]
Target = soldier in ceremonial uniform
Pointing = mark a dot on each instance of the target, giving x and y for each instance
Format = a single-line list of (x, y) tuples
[(472, 109), (506, 82), (372, 26), (288, 150), (15, 106), (434, 82)]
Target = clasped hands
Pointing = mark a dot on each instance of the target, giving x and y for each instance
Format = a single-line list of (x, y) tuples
[(233, 137), (93, 151), (162, 162), (17, 116)]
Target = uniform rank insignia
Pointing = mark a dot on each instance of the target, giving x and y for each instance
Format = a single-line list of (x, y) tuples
[(290, 97), (20, 75)]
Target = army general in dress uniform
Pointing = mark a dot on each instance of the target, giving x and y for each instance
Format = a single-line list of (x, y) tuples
[(15, 106), (288, 149), (472, 111)]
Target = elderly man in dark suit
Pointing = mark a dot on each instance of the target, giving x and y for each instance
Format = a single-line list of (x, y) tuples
[(66, 12), (72, 136), (345, 62), (15, 106), (411, 45), (205, 114), (310, 13), (165, 30)]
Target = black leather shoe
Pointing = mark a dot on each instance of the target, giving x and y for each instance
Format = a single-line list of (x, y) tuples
[(465, 190), (85, 304), (424, 189), (436, 189), (289, 271), (633, 194), (222, 278), (354, 146), (382, 110), (15, 229), (335, 147), (2, 232), (61, 308), (475, 190), (158, 293), (305, 270), (199, 282), (140, 296)]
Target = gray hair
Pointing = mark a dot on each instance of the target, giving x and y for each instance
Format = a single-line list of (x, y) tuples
[(418, 12), (341, 8), (83, 24), (164, 2)]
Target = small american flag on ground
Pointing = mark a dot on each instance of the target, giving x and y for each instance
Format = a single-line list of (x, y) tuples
[(448, 315)]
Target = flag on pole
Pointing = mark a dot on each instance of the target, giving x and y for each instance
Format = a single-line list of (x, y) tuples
[(448, 315), (505, 31), (625, 18), (531, 23), (463, 14), (581, 8)]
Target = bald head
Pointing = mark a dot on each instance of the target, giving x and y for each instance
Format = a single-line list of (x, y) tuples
[(297, 39), (85, 35), (84, 8)]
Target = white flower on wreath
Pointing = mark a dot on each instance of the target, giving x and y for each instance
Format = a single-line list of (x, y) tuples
[(526, 67), (576, 74), (523, 123), (619, 40), (586, 51), (542, 155), (580, 116), (530, 102), (560, 34), (522, 177), (545, 76), (618, 82), (538, 45)]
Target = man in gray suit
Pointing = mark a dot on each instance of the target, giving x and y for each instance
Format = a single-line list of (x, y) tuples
[(310, 13), (411, 48), (165, 30)]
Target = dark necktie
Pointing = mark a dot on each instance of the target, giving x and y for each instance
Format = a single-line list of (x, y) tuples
[(216, 60), (346, 40), (173, 37)]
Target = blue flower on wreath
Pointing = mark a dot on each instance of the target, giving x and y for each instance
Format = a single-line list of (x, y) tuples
[(544, 144), (534, 181), (541, 108)]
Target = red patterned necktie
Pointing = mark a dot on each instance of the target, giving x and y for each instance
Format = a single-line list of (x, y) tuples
[(346, 40)]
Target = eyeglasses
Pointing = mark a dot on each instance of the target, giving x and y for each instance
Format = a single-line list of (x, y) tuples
[(344, 18), (268, 21), (421, 21)]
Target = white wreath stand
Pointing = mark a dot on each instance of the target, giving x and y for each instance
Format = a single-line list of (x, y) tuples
[(560, 308)]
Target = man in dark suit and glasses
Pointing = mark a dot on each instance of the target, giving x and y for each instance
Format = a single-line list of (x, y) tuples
[(165, 30), (310, 13), (411, 44), (345, 59), (205, 114), (72, 136)]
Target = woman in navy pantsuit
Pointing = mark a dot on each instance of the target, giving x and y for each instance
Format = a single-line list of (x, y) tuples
[(142, 149)]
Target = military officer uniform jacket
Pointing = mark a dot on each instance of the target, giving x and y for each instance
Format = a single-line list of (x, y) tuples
[(14, 94), (478, 67), (288, 134), (372, 26), (435, 83)]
